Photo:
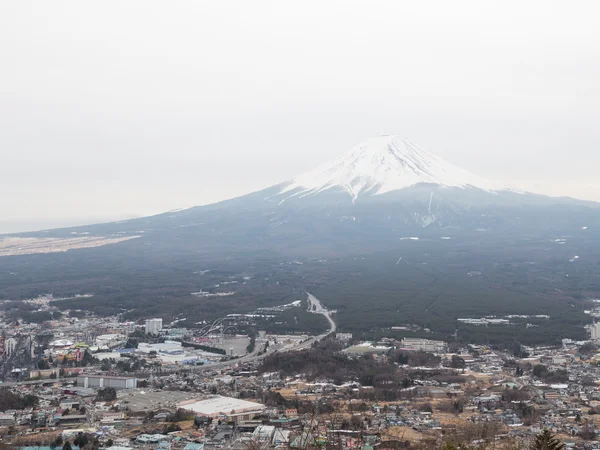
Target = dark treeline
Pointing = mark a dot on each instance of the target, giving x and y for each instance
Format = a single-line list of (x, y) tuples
[(430, 288), (388, 380), (10, 400)]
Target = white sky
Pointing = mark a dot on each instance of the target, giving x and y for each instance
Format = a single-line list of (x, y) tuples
[(123, 108)]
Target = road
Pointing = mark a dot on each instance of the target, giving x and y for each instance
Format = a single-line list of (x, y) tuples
[(314, 306)]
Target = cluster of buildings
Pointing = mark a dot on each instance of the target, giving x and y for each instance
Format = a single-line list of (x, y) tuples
[(231, 406), (153, 386)]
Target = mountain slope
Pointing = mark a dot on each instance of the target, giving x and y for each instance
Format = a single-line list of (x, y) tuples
[(381, 191), (388, 234)]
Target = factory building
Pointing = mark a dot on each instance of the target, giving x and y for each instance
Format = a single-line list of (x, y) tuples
[(233, 409), (425, 345), (101, 381)]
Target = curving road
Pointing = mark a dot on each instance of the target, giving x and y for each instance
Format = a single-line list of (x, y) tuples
[(314, 306)]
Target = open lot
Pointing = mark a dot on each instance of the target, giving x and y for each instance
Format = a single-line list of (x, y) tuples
[(146, 400), (238, 344)]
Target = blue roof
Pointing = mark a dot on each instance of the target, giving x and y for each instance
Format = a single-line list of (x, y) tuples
[(191, 446)]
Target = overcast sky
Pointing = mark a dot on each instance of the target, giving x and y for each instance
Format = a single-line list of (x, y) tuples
[(117, 109)]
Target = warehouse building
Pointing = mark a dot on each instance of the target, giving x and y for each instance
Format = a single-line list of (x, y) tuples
[(233, 409), (424, 345), (102, 381)]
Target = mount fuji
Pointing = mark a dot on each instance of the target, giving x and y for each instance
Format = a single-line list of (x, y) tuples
[(386, 234), (380, 165), (383, 190)]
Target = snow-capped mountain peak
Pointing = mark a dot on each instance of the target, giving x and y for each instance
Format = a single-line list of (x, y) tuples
[(380, 165)]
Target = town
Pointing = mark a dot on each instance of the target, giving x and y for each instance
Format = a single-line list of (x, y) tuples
[(86, 381)]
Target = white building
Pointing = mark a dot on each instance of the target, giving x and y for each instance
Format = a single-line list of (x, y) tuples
[(595, 331), (61, 343), (425, 345), (345, 337), (264, 433), (153, 326), (9, 346), (101, 381), (218, 406), (366, 348), (109, 340)]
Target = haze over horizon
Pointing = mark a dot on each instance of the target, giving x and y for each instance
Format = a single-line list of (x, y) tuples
[(104, 121)]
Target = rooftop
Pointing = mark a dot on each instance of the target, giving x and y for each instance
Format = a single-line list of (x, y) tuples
[(220, 405)]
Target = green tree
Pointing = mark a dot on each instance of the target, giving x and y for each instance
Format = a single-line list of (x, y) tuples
[(588, 348), (67, 446), (30, 401), (540, 371), (546, 441), (87, 359), (106, 394), (81, 440), (181, 415), (252, 344), (457, 362), (43, 364), (58, 442)]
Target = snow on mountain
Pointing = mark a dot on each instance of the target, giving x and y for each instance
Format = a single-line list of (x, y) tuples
[(383, 164)]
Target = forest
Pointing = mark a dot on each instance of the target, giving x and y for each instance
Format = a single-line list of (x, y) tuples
[(423, 286)]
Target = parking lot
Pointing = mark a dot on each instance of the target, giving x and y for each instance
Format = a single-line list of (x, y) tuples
[(147, 400)]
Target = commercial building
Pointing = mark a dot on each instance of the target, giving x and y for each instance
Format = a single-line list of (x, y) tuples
[(167, 347), (101, 381), (345, 337), (7, 420), (110, 340), (218, 406), (595, 331), (425, 345), (154, 326)]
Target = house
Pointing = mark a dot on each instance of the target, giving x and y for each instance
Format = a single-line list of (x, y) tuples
[(75, 418), (292, 413), (7, 420), (112, 417), (150, 438), (70, 404)]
